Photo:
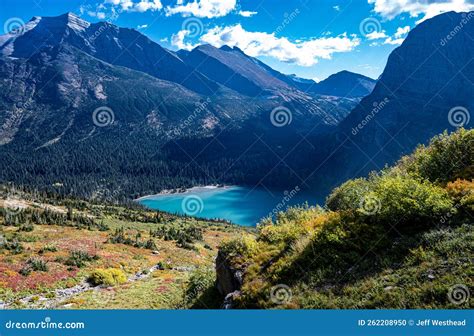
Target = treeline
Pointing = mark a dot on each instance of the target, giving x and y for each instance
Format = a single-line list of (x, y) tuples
[(99, 169), (184, 235), (120, 237), (24, 219)]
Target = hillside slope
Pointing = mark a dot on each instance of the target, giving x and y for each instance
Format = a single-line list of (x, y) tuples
[(107, 42), (401, 238), (76, 254), (94, 107)]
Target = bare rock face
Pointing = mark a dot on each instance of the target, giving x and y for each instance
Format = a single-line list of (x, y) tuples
[(229, 300), (229, 279)]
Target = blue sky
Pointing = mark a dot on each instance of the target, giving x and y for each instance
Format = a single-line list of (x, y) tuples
[(310, 38)]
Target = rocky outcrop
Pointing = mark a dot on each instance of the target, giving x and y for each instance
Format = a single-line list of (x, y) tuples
[(229, 279)]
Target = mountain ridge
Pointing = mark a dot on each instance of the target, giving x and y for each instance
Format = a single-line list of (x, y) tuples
[(172, 135), (50, 98)]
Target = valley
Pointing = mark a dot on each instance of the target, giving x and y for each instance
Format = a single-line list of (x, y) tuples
[(98, 123), (401, 237)]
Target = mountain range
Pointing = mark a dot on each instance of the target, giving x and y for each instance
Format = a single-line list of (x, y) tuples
[(92, 107)]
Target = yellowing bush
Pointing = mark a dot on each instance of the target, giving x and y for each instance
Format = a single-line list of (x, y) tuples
[(460, 188), (462, 191), (107, 277), (245, 246)]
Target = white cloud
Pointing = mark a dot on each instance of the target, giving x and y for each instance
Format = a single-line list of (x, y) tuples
[(394, 41), (178, 40), (304, 53), (401, 31), (144, 6), (133, 6), (428, 8), (203, 8), (198, 8), (247, 13), (398, 37), (99, 15), (376, 35)]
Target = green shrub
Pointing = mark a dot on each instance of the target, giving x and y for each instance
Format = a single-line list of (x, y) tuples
[(245, 246), (79, 258), (200, 280), (392, 198), (200, 291), (34, 264), (348, 195), (405, 200), (286, 233), (184, 235), (107, 277), (161, 265), (448, 157), (48, 248), (120, 237), (26, 227)]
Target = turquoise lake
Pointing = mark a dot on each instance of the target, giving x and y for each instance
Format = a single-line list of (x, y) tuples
[(240, 205)]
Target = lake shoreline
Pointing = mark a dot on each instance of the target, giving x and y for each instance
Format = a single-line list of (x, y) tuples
[(196, 189), (241, 205)]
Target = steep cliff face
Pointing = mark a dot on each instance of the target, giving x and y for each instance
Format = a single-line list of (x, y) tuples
[(426, 88), (229, 279)]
